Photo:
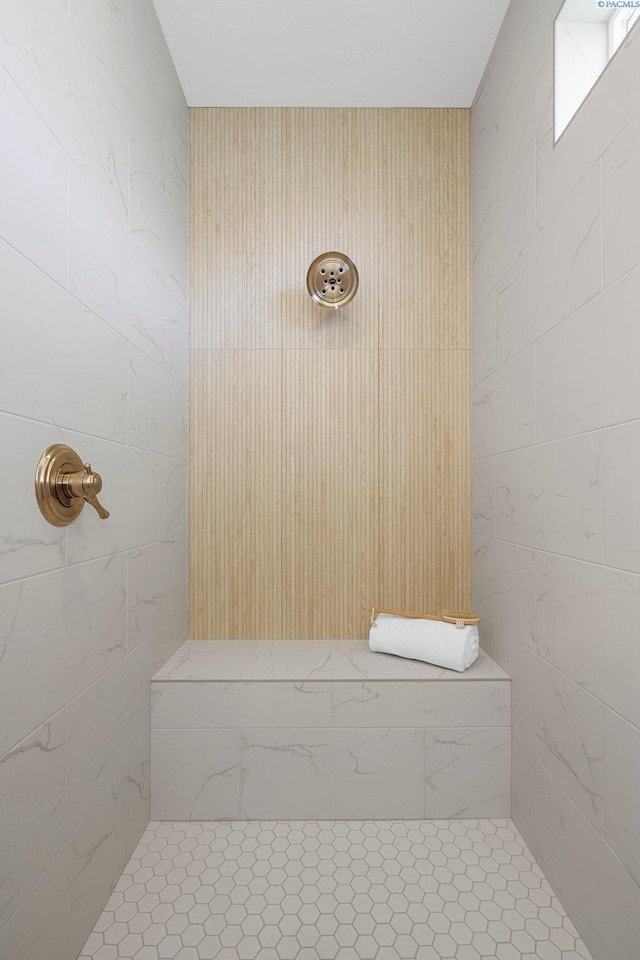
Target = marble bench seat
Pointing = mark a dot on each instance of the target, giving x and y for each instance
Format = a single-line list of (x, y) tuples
[(282, 730)]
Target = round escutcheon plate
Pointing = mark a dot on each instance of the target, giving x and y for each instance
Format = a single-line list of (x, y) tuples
[(332, 280)]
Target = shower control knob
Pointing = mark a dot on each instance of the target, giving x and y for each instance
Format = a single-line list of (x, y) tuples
[(64, 484), (86, 484)]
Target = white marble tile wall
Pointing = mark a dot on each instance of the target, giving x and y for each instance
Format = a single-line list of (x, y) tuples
[(556, 458), (467, 768), (93, 329), (504, 407)]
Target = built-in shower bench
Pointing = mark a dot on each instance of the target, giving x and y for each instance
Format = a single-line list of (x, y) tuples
[(279, 730)]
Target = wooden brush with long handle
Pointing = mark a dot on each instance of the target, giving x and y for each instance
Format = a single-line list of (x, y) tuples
[(461, 618)]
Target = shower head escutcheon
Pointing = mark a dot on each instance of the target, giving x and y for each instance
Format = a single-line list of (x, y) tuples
[(332, 280)]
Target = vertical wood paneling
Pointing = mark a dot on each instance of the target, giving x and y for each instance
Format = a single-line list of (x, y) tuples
[(329, 203), (424, 513), (329, 492), (235, 504), (330, 450), (236, 212), (424, 258)]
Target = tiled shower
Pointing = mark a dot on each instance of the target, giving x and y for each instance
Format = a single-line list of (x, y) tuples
[(94, 166), (555, 251), (94, 353)]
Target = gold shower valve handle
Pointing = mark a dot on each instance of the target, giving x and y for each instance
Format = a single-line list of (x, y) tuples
[(86, 484), (64, 484), (100, 510)]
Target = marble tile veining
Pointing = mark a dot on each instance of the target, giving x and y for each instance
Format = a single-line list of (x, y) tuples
[(109, 274), (560, 723), (567, 254), (157, 586), (40, 377), (303, 660), (176, 481), (549, 497), (129, 476), (467, 772), (51, 921), (32, 828), (204, 705), (28, 544), (178, 759), (587, 374), (86, 89), (622, 786), (104, 725), (346, 773), (405, 704), (595, 885), (34, 209), (62, 630), (504, 579), (157, 408), (483, 478), (556, 509), (504, 407), (578, 605), (330, 890), (621, 203), (622, 496), (46, 56), (325, 729)]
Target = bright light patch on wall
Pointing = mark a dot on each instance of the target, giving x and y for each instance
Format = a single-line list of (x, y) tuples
[(587, 35)]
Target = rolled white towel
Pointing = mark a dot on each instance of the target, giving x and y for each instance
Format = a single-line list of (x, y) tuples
[(432, 641)]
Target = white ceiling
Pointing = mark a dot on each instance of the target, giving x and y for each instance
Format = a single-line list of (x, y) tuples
[(330, 53)]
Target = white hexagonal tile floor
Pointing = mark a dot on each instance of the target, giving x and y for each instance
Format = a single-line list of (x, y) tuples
[(389, 890)]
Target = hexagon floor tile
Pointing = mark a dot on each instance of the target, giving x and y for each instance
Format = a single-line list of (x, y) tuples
[(314, 890)]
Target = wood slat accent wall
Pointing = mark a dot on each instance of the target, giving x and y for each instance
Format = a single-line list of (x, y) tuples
[(330, 462)]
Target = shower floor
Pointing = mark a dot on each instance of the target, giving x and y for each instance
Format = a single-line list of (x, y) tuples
[(349, 890)]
